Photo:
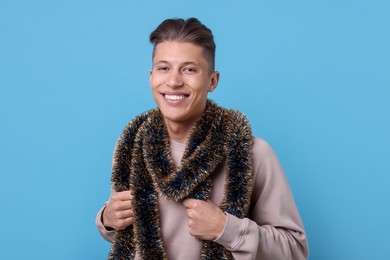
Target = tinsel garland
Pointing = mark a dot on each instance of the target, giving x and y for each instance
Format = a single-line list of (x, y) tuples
[(143, 163)]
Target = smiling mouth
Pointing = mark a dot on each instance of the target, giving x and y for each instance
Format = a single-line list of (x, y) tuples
[(175, 97)]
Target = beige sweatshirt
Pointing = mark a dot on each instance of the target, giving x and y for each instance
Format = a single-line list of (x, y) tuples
[(273, 230)]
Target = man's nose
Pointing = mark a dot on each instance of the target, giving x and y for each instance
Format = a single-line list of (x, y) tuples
[(175, 79)]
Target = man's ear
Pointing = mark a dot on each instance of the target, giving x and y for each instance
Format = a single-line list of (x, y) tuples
[(213, 81)]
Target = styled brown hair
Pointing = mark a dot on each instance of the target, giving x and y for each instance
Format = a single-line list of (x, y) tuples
[(190, 30)]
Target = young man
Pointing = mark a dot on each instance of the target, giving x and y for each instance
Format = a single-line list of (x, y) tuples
[(188, 180)]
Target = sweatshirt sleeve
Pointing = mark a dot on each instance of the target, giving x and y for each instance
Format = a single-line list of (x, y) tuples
[(274, 230), (108, 235)]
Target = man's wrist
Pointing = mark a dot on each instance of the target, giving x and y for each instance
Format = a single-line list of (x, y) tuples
[(221, 230), (108, 228)]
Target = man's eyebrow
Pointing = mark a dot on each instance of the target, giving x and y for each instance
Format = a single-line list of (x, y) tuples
[(160, 61), (190, 63)]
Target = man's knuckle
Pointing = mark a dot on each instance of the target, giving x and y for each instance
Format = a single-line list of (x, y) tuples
[(120, 223), (114, 196), (117, 214), (116, 206)]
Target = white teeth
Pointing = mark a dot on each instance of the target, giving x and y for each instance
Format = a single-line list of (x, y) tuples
[(175, 97)]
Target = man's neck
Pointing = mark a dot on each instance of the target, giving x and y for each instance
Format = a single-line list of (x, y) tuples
[(179, 132)]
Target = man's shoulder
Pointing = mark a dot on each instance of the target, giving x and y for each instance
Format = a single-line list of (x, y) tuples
[(262, 150)]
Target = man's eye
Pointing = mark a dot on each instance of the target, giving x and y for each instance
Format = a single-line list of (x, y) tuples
[(190, 70), (162, 68)]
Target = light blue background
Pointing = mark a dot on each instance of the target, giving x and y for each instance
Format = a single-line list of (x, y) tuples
[(312, 76)]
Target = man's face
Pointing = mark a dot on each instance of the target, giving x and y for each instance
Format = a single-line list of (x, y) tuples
[(181, 79)]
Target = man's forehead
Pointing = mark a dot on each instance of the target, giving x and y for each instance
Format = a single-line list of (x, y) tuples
[(178, 51), (178, 48), (183, 62)]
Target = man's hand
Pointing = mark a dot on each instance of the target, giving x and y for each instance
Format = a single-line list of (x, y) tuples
[(205, 219), (118, 214)]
